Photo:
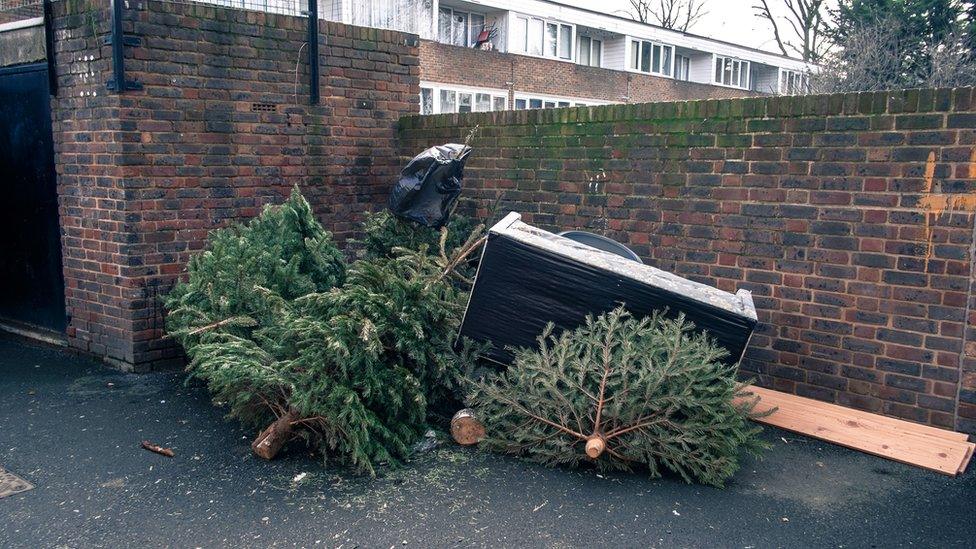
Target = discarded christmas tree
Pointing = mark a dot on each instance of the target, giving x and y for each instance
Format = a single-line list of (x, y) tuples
[(284, 253), (383, 232), (351, 368), (621, 392)]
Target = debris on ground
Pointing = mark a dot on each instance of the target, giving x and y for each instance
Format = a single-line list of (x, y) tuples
[(429, 442), (168, 452)]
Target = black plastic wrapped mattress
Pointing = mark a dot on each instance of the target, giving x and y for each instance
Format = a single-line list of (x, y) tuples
[(529, 277)]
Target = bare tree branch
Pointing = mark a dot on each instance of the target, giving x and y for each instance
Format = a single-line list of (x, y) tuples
[(806, 21), (679, 15)]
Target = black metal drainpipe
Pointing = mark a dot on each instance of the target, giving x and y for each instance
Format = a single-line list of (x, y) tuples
[(313, 52), (118, 48), (52, 73)]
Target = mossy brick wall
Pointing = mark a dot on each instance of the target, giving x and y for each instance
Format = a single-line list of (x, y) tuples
[(221, 126), (849, 217)]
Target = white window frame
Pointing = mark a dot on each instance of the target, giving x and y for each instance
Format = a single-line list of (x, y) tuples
[(733, 61), (682, 64), (436, 90), (593, 42), (634, 64), (793, 82), (470, 33), (525, 47)]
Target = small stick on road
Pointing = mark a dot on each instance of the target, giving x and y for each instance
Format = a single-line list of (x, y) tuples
[(157, 449)]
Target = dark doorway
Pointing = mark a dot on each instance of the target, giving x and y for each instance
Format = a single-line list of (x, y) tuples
[(31, 281)]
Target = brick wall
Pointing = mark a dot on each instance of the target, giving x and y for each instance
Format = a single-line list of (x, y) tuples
[(849, 217), (447, 64), (220, 127), (94, 226)]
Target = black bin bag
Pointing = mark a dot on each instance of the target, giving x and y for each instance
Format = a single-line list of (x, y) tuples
[(430, 185)]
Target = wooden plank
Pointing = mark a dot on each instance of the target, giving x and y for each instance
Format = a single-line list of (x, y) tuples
[(965, 461), (893, 423), (953, 435), (871, 433), (903, 425)]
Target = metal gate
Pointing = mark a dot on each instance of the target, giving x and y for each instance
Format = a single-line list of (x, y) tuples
[(31, 280)]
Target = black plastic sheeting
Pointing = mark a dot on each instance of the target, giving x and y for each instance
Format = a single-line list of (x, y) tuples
[(430, 184), (520, 288)]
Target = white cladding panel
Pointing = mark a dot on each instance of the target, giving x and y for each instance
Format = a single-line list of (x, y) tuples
[(615, 53), (702, 67)]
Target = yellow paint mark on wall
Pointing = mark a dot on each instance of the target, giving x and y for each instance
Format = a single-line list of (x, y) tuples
[(941, 203), (929, 171), (937, 203)]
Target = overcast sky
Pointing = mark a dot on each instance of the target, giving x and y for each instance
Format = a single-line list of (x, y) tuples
[(730, 20)]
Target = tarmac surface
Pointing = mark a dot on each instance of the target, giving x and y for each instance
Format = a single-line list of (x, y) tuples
[(73, 428)]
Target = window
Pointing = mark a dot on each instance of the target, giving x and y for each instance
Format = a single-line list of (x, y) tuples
[(650, 57), (535, 46), (589, 51), (444, 24), (682, 67), (426, 101), (482, 102), (793, 82), (448, 101), (435, 100), (536, 36), (520, 34), (529, 102), (731, 72), (565, 42), (464, 102), (477, 22), (552, 35), (459, 28)]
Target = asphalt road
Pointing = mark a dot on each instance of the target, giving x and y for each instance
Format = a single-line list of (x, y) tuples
[(73, 428)]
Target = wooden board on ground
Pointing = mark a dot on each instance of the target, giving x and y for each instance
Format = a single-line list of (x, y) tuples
[(965, 462), (936, 449)]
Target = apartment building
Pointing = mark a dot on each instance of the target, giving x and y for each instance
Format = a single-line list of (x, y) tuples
[(484, 55)]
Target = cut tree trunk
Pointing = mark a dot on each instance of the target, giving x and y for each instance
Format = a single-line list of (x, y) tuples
[(466, 429), (274, 436), (595, 446)]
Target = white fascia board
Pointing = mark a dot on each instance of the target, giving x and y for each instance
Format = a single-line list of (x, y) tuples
[(463, 89), (635, 29)]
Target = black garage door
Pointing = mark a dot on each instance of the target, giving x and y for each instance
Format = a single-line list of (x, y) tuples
[(31, 281)]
